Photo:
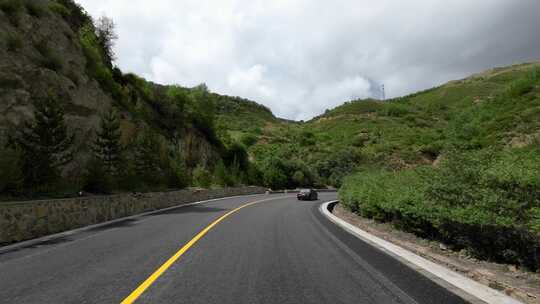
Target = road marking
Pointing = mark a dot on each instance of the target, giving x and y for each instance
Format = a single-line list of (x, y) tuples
[(152, 278)]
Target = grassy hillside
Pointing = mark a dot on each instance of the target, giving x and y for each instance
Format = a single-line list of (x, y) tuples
[(242, 115), (459, 163), (498, 108)]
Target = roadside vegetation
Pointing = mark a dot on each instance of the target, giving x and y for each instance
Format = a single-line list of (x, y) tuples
[(459, 163), (482, 195)]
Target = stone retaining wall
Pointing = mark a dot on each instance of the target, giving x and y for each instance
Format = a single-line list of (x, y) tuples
[(21, 221)]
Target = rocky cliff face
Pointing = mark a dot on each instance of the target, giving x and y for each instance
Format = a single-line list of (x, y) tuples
[(39, 54), (54, 48)]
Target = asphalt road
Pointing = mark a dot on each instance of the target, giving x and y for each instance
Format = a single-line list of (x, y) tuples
[(276, 251)]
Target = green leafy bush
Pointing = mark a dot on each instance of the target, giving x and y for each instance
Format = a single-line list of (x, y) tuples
[(175, 174), (202, 177), (13, 9), (59, 9), (520, 87), (95, 63), (248, 140), (337, 165), (222, 176), (96, 179), (11, 175), (274, 173), (395, 109), (306, 138), (35, 8), (10, 7), (485, 201)]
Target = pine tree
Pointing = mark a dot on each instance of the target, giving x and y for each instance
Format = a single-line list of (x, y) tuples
[(147, 158), (45, 144), (107, 147), (11, 178)]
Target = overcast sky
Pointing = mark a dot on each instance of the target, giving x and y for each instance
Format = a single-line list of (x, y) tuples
[(300, 57)]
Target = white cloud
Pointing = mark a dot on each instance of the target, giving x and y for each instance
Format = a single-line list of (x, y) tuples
[(300, 57)]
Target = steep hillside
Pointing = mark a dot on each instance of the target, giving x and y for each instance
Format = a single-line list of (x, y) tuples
[(498, 108), (39, 53), (238, 114), (459, 163), (52, 49)]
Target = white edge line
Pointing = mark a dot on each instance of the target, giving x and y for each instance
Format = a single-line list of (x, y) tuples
[(31, 242), (467, 285)]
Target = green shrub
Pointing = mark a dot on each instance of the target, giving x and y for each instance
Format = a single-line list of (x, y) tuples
[(535, 220), (337, 165), (395, 109), (176, 176), (254, 175), (96, 180), (535, 74), (14, 42), (35, 8), (10, 7), (59, 9), (202, 177), (95, 64), (484, 201), (306, 138), (13, 9), (248, 140), (11, 176), (299, 178), (520, 87)]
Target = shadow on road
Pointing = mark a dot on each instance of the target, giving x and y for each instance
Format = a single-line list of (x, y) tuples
[(119, 224), (190, 209), (47, 242)]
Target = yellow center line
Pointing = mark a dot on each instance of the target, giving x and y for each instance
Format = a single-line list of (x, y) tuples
[(151, 279)]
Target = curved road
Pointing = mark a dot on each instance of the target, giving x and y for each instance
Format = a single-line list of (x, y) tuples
[(276, 251)]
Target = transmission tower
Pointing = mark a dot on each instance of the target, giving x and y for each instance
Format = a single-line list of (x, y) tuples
[(383, 93)]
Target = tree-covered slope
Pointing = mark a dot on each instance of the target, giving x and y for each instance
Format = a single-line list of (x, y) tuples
[(170, 136)]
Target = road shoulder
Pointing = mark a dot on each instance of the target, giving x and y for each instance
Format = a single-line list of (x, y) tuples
[(520, 285)]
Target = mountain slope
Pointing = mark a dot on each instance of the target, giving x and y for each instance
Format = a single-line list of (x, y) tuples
[(459, 163), (52, 48), (497, 108)]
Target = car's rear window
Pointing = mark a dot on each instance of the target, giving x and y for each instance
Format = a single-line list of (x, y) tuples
[(304, 191)]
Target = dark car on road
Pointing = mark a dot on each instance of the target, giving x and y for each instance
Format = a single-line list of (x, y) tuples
[(307, 195)]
